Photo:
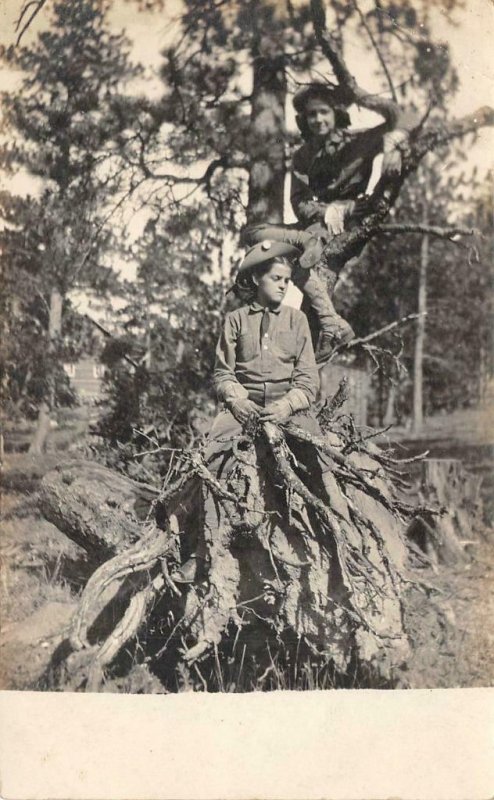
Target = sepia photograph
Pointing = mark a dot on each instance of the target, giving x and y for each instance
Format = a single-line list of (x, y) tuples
[(247, 365)]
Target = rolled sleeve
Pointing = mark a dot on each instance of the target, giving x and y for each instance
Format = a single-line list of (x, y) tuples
[(225, 381)]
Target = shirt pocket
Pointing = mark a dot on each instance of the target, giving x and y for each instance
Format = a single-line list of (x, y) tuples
[(246, 347), (286, 343)]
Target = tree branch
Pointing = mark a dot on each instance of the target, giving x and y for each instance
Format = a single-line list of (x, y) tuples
[(437, 135), (329, 46), (387, 328), (378, 51), (433, 230), (38, 4)]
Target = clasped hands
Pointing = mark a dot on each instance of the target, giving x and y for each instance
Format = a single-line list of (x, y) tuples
[(243, 409)]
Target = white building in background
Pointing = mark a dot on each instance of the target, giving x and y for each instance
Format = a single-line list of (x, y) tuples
[(86, 377)]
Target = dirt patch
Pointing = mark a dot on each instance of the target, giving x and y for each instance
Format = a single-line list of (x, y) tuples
[(26, 647), (452, 633)]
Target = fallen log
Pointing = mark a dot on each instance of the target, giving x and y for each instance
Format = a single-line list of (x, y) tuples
[(98, 509)]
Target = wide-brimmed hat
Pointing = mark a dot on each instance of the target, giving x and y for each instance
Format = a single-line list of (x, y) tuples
[(334, 95), (266, 251)]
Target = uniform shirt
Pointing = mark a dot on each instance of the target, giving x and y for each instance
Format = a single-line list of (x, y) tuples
[(283, 365), (339, 168)]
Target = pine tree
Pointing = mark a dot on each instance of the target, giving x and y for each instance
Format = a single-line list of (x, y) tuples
[(62, 122)]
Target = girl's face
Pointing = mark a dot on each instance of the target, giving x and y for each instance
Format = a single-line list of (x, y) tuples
[(320, 117), (272, 286)]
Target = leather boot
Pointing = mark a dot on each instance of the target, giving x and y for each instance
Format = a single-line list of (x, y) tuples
[(187, 572), (341, 335)]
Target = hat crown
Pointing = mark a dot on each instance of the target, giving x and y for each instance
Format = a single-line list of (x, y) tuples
[(267, 250)]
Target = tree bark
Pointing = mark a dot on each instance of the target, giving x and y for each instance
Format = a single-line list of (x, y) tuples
[(452, 495), (418, 357), (389, 414), (44, 415), (267, 172), (95, 507)]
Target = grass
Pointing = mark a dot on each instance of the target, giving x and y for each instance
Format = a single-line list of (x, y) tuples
[(32, 553)]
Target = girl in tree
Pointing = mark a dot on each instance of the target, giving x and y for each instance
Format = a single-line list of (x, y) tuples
[(329, 184)]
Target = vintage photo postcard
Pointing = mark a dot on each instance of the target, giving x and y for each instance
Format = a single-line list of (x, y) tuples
[(247, 376)]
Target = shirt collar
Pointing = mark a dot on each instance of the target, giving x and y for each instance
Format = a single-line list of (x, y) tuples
[(333, 141), (256, 307)]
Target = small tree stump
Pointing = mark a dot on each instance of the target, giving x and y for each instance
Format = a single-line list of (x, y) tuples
[(453, 494)]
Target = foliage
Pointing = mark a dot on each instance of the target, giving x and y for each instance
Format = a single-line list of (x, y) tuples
[(62, 125), (170, 324), (384, 285)]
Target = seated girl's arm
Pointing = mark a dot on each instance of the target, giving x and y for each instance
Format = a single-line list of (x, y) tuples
[(305, 380), (225, 381), (228, 388)]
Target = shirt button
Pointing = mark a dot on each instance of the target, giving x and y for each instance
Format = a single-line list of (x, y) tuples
[(265, 347), (265, 335)]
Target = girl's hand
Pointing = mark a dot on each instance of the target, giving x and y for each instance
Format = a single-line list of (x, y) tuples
[(392, 162), (243, 409), (278, 411), (336, 215)]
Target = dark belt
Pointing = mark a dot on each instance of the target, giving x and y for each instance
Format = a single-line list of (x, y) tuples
[(263, 393)]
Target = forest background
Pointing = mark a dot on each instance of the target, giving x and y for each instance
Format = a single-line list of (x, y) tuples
[(139, 137)]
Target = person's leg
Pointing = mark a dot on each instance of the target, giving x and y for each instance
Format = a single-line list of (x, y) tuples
[(334, 329), (310, 241)]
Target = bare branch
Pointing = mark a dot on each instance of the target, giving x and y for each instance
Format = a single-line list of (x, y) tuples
[(38, 5), (387, 329), (434, 230), (437, 135), (378, 51), (388, 108)]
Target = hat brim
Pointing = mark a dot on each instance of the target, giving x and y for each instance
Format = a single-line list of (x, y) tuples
[(267, 251)]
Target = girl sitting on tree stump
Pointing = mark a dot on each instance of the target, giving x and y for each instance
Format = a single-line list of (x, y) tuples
[(280, 522), (265, 370)]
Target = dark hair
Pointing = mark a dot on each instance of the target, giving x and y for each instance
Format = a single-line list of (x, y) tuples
[(245, 287), (334, 96)]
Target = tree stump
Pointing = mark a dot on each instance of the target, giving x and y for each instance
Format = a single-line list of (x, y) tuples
[(452, 495)]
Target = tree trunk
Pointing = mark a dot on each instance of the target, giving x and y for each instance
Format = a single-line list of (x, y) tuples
[(44, 418), (452, 496), (418, 356), (95, 507), (389, 414), (267, 173)]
